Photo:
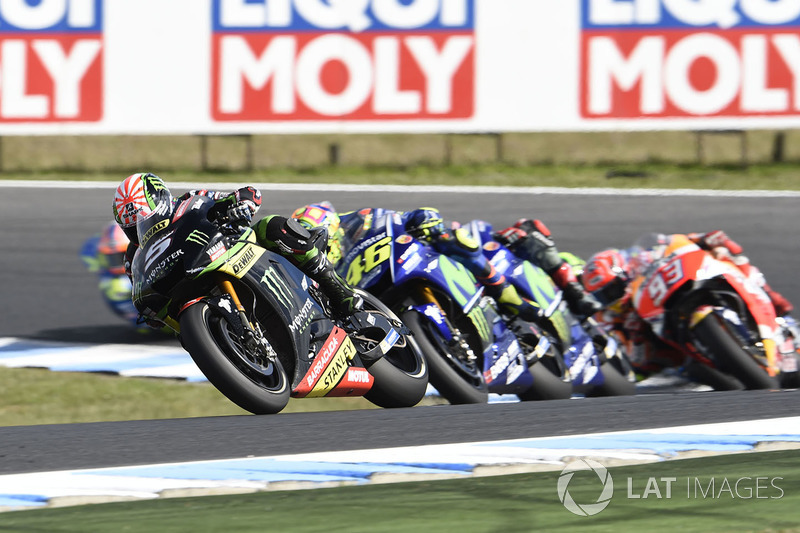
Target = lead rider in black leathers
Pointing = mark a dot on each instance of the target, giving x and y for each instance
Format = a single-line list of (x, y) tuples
[(142, 194)]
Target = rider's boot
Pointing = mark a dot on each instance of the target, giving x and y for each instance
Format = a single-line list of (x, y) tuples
[(497, 286), (511, 302), (779, 301), (578, 300), (782, 305), (343, 298)]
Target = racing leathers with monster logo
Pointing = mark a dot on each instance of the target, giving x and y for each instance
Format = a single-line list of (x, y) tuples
[(142, 194)]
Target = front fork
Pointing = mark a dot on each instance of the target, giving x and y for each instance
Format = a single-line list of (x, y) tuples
[(227, 288), (457, 339), (253, 337)]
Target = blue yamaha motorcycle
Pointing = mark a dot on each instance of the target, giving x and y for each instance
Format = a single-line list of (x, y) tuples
[(470, 347), (598, 366)]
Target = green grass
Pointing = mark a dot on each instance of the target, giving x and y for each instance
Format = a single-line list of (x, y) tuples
[(650, 175), (39, 396), (517, 503)]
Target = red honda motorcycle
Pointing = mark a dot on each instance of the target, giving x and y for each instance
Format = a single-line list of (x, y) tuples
[(706, 308)]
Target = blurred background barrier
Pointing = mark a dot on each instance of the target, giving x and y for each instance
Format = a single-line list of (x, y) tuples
[(258, 84), (248, 152)]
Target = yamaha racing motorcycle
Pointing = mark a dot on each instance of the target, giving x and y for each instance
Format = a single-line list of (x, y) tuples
[(470, 347), (259, 329), (597, 364)]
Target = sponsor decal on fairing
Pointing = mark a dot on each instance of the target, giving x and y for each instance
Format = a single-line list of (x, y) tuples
[(216, 251), (302, 319), (512, 361), (330, 374)]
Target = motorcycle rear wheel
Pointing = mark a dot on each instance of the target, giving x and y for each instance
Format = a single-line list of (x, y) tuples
[(725, 349), (401, 375), (253, 384)]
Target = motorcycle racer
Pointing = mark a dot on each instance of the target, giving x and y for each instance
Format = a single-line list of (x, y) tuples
[(143, 194), (104, 254), (531, 240), (323, 215), (608, 273), (425, 224)]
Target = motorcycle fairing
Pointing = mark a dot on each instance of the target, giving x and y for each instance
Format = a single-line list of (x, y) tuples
[(681, 267), (579, 350), (332, 372), (583, 363), (387, 249), (505, 368)]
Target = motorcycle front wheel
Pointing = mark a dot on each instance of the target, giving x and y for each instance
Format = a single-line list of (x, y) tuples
[(615, 382), (251, 380), (457, 378), (550, 380), (726, 351)]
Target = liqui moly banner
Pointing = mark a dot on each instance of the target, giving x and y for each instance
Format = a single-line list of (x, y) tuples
[(396, 66), (51, 67), (343, 59), (690, 58)]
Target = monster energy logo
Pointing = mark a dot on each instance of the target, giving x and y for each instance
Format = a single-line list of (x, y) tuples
[(479, 320), (198, 236), (277, 287)]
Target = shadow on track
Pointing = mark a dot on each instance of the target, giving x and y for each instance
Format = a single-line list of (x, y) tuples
[(105, 334)]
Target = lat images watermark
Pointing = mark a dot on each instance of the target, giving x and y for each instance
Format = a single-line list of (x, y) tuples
[(585, 509), (663, 487)]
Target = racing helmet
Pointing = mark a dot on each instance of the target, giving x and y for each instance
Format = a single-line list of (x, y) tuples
[(323, 215), (137, 197), (424, 222), (111, 249), (605, 276)]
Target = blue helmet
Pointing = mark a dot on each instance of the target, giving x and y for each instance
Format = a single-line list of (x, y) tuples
[(424, 222)]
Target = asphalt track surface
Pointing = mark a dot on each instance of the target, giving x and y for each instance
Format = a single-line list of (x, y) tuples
[(47, 294)]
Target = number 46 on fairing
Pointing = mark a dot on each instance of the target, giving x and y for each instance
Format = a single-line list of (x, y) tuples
[(371, 257)]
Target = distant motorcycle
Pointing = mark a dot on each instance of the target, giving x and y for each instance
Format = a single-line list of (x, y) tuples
[(103, 254), (257, 327), (471, 348), (597, 364), (707, 309)]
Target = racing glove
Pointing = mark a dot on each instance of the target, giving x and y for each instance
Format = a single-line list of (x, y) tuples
[(716, 239), (242, 212), (510, 236)]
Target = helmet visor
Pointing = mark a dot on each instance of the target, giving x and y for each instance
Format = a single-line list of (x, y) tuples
[(611, 291)]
